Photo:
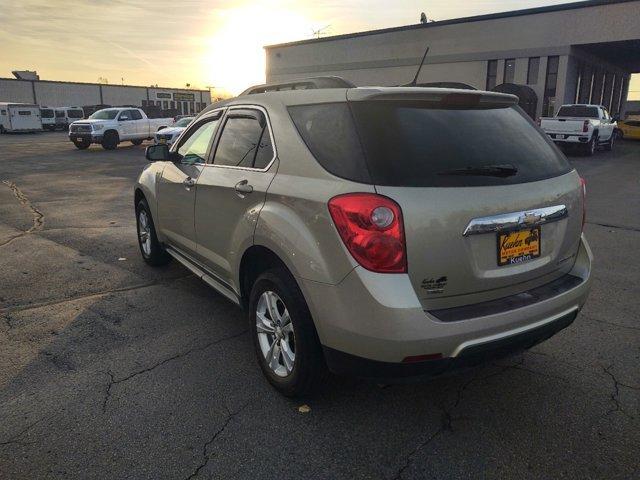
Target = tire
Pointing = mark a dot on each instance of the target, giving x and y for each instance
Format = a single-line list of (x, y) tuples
[(609, 145), (295, 376), (620, 134), (152, 251), (136, 142), (81, 145), (590, 147), (110, 140), (2, 129)]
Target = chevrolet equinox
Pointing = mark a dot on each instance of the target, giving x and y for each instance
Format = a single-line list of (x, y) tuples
[(377, 232)]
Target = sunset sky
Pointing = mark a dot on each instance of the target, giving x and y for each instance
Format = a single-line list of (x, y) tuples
[(201, 42)]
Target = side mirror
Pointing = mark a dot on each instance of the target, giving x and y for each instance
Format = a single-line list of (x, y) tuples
[(615, 118), (157, 153)]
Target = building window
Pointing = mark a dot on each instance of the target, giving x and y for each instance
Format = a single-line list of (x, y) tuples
[(532, 71), (509, 70), (578, 84), (607, 91), (550, 87), (598, 86), (615, 98), (586, 80), (492, 73), (624, 92)]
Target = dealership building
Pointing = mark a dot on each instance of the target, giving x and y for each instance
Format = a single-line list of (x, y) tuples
[(580, 52), (30, 89)]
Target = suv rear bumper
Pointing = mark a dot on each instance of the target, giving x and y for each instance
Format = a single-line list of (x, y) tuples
[(346, 364), (370, 323)]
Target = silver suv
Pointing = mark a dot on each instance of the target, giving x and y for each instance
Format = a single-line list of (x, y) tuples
[(380, 232)]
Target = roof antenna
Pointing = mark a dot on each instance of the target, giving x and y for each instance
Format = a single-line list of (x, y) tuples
[(415, 79)]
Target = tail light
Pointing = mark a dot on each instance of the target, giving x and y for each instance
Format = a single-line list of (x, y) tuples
[(372, 229), (585, 126), (539, 121), (583, 192)]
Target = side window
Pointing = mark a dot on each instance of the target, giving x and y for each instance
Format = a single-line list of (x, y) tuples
[(244, 140), (194, 148), (136, 115), (264, 155)]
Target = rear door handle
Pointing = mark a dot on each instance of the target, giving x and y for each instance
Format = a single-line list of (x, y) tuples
[(243, 187), (188, 182)]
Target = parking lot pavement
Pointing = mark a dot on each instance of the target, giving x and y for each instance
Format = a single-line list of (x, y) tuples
[(112, 369)]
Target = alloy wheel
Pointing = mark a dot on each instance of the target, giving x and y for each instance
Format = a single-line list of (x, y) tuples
[(275, 334), (144, 232)]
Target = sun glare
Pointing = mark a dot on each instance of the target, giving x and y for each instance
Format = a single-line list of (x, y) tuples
[(234, 57)]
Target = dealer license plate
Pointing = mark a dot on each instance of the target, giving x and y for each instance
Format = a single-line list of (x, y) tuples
[(518, 246)]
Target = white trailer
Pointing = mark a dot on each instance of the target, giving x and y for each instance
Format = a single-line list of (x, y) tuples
[(19, 117)]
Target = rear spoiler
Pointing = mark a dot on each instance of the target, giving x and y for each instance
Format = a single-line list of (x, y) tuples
[(437, 97)]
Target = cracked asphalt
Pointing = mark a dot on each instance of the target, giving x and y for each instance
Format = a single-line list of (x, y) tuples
[(112, 369)]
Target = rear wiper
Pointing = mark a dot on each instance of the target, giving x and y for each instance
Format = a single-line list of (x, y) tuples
[(484, 170)]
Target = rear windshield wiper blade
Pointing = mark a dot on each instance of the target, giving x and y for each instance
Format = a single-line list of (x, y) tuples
[(484, 170)]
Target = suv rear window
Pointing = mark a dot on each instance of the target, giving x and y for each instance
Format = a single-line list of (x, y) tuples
[(415, 145), (329, 132), (580, 111)]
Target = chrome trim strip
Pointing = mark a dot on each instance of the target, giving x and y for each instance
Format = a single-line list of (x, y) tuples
[(509, 333), (203, 274), (523, 219)]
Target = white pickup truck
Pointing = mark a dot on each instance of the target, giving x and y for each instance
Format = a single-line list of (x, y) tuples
[(588, 126), (111, 126)]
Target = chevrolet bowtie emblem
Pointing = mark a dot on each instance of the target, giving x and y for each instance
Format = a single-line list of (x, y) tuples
[(530, 219)]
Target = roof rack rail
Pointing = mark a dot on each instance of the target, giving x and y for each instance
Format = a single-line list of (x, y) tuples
[(301, 84)]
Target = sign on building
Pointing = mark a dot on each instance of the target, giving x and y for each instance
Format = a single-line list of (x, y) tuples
[(184, 97)]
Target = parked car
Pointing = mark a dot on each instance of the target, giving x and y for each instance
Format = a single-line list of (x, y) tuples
[(111, 126), (19, 117), (47, 115), (170, 134), (360, 233), (629, 129), (67, 115), (588, 126)]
